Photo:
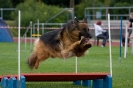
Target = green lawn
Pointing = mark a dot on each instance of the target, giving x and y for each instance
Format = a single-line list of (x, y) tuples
[(96, 60)]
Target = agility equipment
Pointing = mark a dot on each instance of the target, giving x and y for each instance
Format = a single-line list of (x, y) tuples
[(94, 80), (132, 40), (126, 39), (99, 80), (5, 33), (120, 39), (12, 82), (110, 51)]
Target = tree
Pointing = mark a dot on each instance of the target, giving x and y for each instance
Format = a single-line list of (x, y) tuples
[(6, 4), (31, 10), (61, 3), (16, 2)]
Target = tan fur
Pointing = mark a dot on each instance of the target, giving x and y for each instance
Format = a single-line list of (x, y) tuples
[(69, 46)]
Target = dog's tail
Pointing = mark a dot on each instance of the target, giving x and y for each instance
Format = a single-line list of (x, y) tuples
[(33, 57), (32, 60)]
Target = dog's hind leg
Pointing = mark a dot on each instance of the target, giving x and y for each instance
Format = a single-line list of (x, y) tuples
[(40, 53), (35, 58), (41, 56), (32, 60)]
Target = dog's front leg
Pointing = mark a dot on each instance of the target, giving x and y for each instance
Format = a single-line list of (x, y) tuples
[(83, 47), (70, 51)]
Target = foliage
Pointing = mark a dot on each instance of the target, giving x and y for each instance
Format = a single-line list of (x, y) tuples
[(79, 9), (61, 3), (38, 7), (102, 3), (32, 11), (5, 4), (16, 2), (121, 11)]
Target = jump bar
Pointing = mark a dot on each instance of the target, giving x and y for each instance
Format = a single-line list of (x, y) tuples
[(49, 77), (63, 76)]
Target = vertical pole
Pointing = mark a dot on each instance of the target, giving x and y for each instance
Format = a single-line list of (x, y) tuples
[(126, 38), (110, 45), (1, 13), (76, 65), (73, 13), (38, 28), (19, 48), (85, 13), (34, 27), (42, 28), (31, 35), (25, 41), (132, 38), (93, 4), (120, 39)]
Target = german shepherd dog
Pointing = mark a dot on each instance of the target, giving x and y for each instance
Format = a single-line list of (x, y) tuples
[(72, 40)]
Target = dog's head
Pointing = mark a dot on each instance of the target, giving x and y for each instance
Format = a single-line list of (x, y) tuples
[(79, 29), (84, 29)]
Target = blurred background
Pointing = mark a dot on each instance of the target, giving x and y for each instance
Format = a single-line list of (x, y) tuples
[(42, 12)]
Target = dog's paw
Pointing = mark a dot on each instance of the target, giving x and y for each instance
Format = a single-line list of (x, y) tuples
[(89, 45), (83, 40), (82, 37)]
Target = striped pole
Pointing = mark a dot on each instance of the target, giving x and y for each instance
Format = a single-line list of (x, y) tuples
[(120, 39)]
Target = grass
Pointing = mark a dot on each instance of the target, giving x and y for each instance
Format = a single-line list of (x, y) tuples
[(96, 60)]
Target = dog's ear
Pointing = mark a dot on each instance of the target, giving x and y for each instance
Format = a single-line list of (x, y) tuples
[(58, 37), (76, 21), (84, 20)]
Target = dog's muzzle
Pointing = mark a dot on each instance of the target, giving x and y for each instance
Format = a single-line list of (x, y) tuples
[(90, 36)]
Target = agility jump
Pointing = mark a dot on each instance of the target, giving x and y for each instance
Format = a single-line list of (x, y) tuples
[(99, 79)]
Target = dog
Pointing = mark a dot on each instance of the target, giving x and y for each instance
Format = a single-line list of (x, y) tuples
[(71, 40)]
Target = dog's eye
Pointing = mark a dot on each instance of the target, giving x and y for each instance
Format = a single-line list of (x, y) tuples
[(84, 29)]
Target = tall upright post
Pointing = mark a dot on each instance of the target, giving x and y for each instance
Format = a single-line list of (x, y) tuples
[(25, 41), (42, 28), (19, 48), (132, 39), (126, 38), (38, 28), (1, 13), (30, 35), (19, 45), (110, 45), (120, 39), (76, 65)]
